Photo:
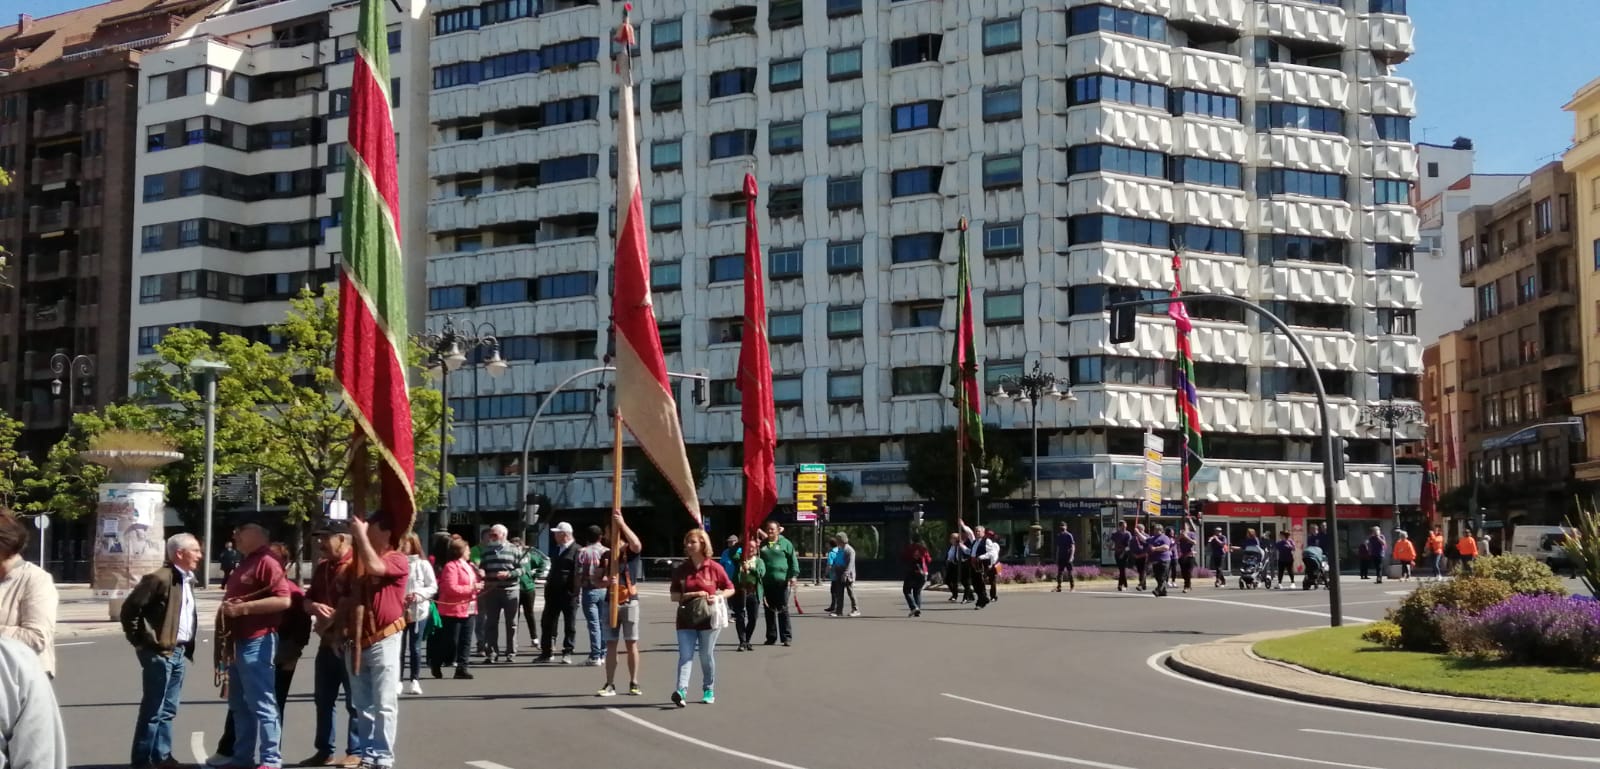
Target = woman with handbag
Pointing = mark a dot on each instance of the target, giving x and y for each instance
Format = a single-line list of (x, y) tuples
[(701, 589), (457, 602), (421, 586)]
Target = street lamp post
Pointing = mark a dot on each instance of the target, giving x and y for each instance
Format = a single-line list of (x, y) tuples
[(1391, 415), (448, 350), (210, 369), (73, 368), (1030, 388)]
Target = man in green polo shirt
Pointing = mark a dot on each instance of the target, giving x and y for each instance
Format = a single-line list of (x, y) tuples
[(783, 568)]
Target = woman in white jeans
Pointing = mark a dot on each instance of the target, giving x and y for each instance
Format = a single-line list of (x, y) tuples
[(698, 583)]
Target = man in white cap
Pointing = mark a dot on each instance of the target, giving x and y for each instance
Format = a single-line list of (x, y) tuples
[(560, 595)]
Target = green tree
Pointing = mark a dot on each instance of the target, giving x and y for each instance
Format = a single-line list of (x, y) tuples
[(5, 279), (1583, 545), (15, 469), (65, 485), (931, 466)]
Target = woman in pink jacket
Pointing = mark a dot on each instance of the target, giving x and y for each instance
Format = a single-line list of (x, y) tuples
[(457, 601)]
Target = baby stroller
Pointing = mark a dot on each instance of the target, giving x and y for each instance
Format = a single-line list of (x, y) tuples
[(1253, 568), (1316, 565)]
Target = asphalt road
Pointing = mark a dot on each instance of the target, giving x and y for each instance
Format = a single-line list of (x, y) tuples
[(1037, 679)]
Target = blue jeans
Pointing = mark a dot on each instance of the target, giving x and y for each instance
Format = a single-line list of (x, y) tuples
[(252, 698), (690, 641), (163, 682), (377, 700), (411, 648), (593, 600), (329, 678)]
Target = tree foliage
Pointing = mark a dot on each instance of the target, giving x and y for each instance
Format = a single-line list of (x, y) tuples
[(15, 469), (931, 467)]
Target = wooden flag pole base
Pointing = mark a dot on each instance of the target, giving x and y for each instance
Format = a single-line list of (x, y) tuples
[(615, 588)]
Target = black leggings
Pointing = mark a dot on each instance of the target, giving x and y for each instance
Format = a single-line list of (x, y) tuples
[(1285, 567), (1186, 568)]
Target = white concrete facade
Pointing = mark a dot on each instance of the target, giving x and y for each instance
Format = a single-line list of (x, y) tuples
[(250, 154), (1014, 162), (1446, 187)]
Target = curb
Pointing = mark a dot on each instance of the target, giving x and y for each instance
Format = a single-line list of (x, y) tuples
[(1512, 721)]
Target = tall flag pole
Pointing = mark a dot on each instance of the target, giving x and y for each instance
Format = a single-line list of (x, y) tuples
[(1429, 501), (370, 358), (1188, 400), (755, 380), (644, 394), (964, 373)]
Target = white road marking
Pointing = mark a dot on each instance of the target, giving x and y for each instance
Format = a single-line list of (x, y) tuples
[(1154, 663), (1344, 603), (702, 743), (74, 643), (1032, 754), (1160, 738), (487, 765), (197, 746), (1553, 756), (1246, 604)]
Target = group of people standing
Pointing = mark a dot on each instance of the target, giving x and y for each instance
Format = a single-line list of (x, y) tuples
[(1161, 554)]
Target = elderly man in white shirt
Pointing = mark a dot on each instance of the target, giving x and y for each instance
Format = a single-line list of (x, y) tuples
[(160, 619)]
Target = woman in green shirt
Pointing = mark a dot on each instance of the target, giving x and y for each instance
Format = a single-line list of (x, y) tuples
[(746, 603)]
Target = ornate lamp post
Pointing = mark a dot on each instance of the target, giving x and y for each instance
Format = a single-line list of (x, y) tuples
[(1030, 388), (77, 369), (449, 349), (1391, 415)]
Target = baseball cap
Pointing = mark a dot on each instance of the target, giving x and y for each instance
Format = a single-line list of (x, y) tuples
[(563, 527), (733, 539), (330, 526)]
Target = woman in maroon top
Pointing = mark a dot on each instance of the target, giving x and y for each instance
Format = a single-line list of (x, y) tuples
[(699, 578), (917, 560)]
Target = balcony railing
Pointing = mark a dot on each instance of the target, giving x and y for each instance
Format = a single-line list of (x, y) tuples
[(47, 123), (62, 169), (60, 217)]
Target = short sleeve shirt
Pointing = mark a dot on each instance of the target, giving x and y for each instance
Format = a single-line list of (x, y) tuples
[(389, 595), (259, 576), (709, 578), (624, 572)]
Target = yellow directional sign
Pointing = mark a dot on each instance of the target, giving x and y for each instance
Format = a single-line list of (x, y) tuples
[(812, 487), (805, 506), (823, 477)]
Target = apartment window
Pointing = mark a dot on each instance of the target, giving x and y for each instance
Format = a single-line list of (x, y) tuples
[(1003, 171), (1298, 381), (999, 309), (1401, 387), (1215, 173), (666, 276), (786, 202), (844, 192), (1301, 248), (1004, 239), (1391, 192), (1092, 158), (729, 144), (1596, 248), (728, 267), (666, 216), (844, 64), (784, 75), (916, 380), (921, 247), (919, 115), (785, 13), (189, 232), (1142, 372), (469, 244), (1334, 317), (149, 289), (844, 322), (844, 257), (844, 387), (1299, 117), (1394, 256), (1433, 170), (1204, 104), (150, 238), (1283, 181), (1094, 228), (844, 129), (1392, 128), (786, 326), (1387, 6), (1089, 89), (914, 50), (1398, 322), (666, 35), (150, 336), (155, 188), (996, 372), (569, 285), (1086, 19), (838, 8), (785, 137), (502, 292), (1543, 218), (666, 155), (733, 82), (448, 297), (915, 181), (923, 313), (785, 263), (787, 391), (666, 95), (1002, 103), (1001, 36)]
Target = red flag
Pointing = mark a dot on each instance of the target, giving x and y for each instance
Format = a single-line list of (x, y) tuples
[(644, 394), (964, 358), (1429, 501), (370, 358), (755, 380)]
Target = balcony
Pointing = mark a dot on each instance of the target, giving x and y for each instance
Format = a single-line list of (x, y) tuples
[(1303, 84), (58, 217), (47, 265), (56, 171), (46, 317), (49, 123), (1230, 14), (1390, 96), (1299, 21), (1207, 71), (1391, 37)]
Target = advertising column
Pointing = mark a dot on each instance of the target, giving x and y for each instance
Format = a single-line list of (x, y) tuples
[(129, 536)]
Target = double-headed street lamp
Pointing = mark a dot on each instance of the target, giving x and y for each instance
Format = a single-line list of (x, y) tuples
[(449, 349), (74, 368), (1392, 415), (1030, 388)]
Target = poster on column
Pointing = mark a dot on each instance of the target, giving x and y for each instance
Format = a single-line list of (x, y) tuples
[(130, 536)]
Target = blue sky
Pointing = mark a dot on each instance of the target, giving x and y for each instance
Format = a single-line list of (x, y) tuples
[(1497, 71)]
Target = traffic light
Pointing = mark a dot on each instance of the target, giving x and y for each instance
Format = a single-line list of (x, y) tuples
[(981, 480), (1123, 328), (1340, 458), (822, 508)]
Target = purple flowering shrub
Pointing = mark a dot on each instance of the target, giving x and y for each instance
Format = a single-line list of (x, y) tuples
[(1543, 629)]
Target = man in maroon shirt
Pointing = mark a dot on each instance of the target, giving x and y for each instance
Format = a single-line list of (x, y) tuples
[(376, 585), (253, 604), (330, 676)]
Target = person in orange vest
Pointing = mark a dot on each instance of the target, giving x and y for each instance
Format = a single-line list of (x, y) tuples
[(1467, 548), (1435, 548), (1405, 554)]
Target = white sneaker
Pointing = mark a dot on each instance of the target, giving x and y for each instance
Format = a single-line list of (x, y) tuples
[(855, 613), (415, 687), (218, 761)]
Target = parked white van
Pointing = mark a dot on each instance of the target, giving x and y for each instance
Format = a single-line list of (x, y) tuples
[(1541, 542)]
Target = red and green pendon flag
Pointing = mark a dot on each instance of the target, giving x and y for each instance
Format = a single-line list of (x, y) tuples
[(370, 357), (964, 356), (1188, 399)]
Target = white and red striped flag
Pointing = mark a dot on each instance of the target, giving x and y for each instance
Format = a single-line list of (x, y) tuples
[(370, 358), (644, 393)]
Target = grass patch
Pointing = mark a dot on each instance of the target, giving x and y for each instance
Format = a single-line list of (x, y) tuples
[(1341, 652)]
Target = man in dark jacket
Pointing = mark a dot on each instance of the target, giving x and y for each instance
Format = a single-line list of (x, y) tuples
[(560, 595), (160, 619)]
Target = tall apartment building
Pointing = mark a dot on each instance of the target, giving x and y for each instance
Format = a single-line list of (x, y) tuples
[(1518, 257), (67, 104), (1269, 139), (1582, 160), (240, 162), (1446, 186)]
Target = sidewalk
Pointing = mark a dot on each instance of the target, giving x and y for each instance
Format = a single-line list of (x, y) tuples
[(1232, 663), (81, 614)]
